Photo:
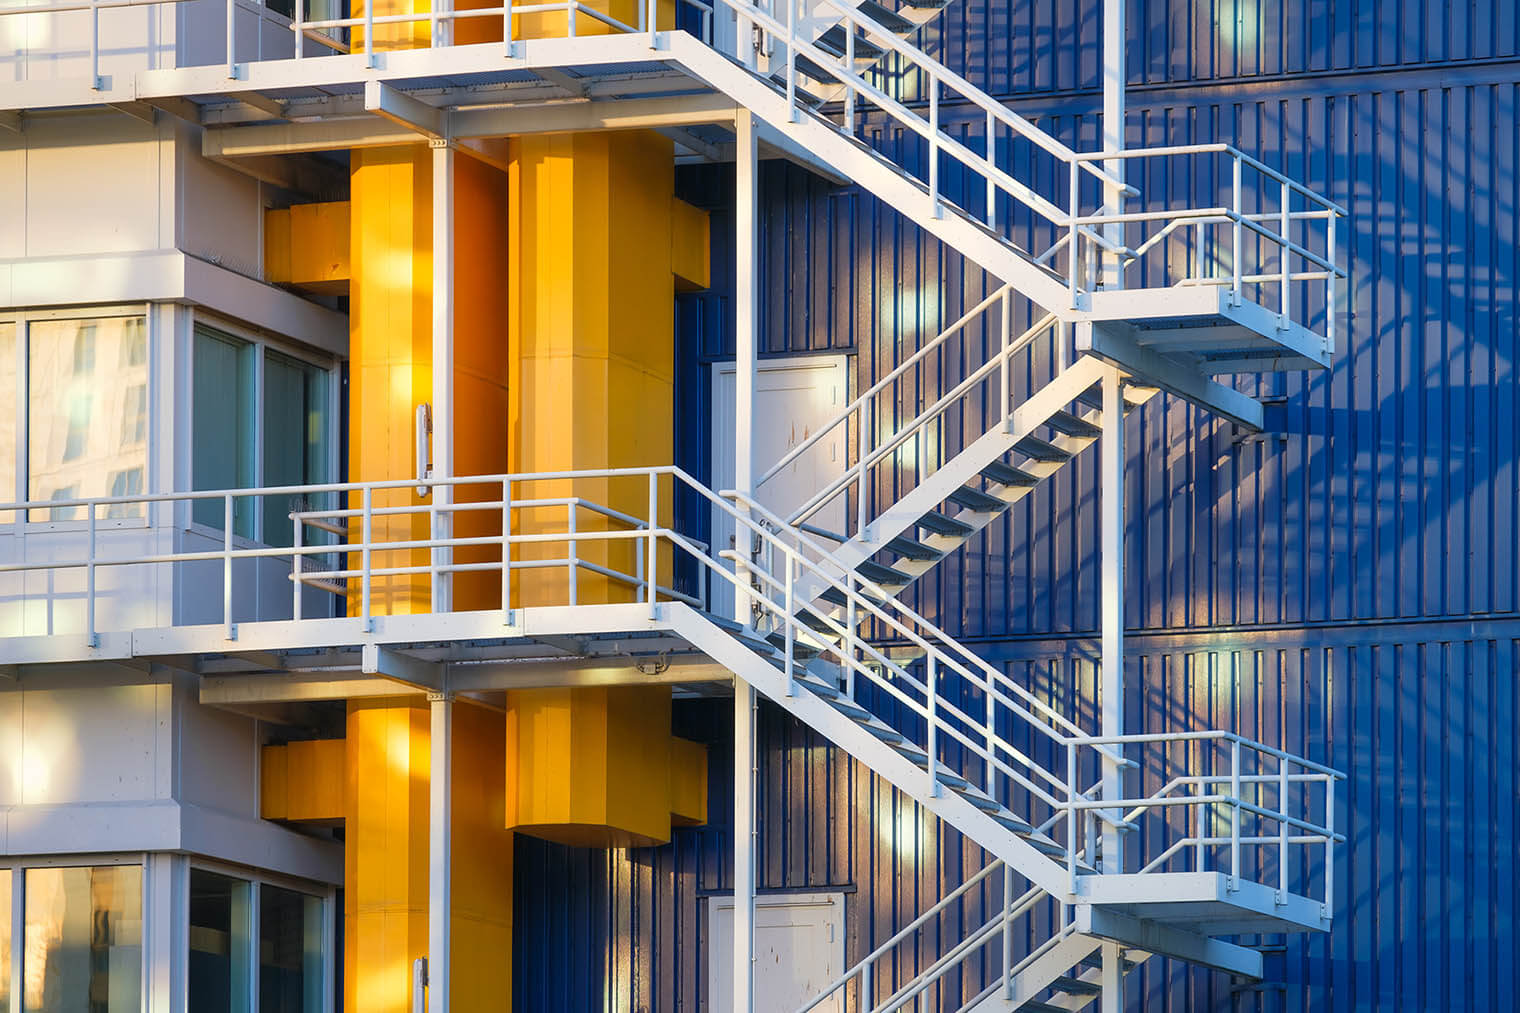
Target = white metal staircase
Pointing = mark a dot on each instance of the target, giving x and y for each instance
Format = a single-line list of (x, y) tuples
[(1168, 296)]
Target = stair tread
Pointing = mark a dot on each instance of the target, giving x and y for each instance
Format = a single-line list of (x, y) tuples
[(1007, 474), (886, 17), (804, 96), (1094, 960), (1075, 986), (1040, 450), (975, 499), (1071, 425), (813, 69), (836, 596), (1040, 1007), (911, 549), (878, 574), (800, 649), (833, 41), (940, 524)]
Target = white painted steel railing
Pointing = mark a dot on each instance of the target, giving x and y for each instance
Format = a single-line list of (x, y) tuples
[(988, 351), (969, 716)]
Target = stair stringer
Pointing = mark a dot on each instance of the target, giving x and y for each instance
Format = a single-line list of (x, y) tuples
[(881, 177), (884, 761)]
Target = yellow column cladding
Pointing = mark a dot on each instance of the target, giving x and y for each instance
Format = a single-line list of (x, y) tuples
[(386, 857)]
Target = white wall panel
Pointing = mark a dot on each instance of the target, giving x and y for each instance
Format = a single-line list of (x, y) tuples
[(91, 185)]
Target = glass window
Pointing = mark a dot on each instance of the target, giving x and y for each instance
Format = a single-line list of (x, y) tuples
[(8, 491), (222, 427), (73, 413), (290, 951), (83, 945), (295, 436), (220, 954)]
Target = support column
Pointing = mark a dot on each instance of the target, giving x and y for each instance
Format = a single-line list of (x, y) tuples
[(443, 366), (1114, 79), (746, 221), (440, 848), (1111, 693)]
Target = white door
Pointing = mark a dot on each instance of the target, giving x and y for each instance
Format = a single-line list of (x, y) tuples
[(799, 951), (794, 398)]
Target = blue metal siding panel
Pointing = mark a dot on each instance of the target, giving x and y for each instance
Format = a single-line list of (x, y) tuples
[(1365, 551)]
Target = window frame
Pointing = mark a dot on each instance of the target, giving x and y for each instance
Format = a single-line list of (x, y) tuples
[(21, 521), (17, 867), (262, 342), (257, 880)]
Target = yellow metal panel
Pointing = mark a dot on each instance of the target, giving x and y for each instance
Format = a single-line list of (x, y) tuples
[(277, 246), (319, 247), (315, 786), (274, 803), (690, 247), (688, 783)]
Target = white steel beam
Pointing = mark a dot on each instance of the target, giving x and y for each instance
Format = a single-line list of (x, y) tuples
[(405, 111), (1115, 343), (263, 103), (1156, 937), (746, 252), (1111, 691), (443, 367), (403, 668), (506, 121), (440, 848)]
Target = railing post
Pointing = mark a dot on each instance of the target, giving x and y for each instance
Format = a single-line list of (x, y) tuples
[(1071, 816), (299, 26), (1236, 251), (227, 566), (852, 633), (571, 557), (89, 626), (1072, 248), (1287, 229), (991, 164), (932, 675), (1007, 931), (867, 989), (295, 567), (506, 28), (791, 59), (1234, 814), (651, 574), (232, 40), (506, 550), (1330, 286), (95, 81), (791, 625), (366, 528), (1329, 905), (861, 450), (1005, 407), (369, 33), (849, 92), (934, 205), (991, 771), (1282, 829)]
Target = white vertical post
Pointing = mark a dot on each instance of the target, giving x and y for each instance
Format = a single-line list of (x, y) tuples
[(295, 569), (227, 566), (1111, 977), (745, 242), (440, 848), (1111, 694), (1114, 78), (89, 604), (231, 40), (443, 369)]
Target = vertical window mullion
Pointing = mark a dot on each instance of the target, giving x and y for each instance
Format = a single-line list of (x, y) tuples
[(255, 900)]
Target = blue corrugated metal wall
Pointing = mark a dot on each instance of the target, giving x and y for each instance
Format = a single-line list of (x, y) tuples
[(1347, 584)]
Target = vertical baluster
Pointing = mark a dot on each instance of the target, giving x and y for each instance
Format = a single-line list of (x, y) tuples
[(1330, 285), (1329, 905), (1236, 251), (651, 573), (1282, 829), (1005, 407), (227, 566), (1234, 814), (1287, 232), (932, 674), (790, 618), (506, 549), (791, 59), (89, 603), (1007, 931), (1071, 816), (95, 81), (934, 207), (297, 530), (991, 165), (1072, 253), (572, 557), (367, 529), (231, 40), (300, 28)]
